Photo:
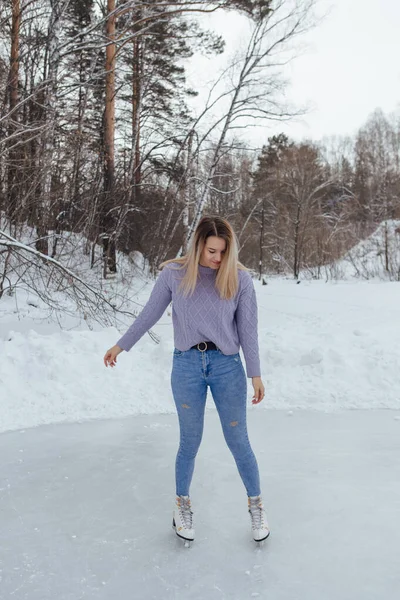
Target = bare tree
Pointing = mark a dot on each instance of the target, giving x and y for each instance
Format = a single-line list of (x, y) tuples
[(253, 94), (13, 102), (108, 217), (57, 9), (60, 288)]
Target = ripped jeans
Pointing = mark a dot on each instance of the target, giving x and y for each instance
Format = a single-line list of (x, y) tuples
[(192, 372)]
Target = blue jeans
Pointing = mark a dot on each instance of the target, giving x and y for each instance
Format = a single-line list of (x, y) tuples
[(192, 372)]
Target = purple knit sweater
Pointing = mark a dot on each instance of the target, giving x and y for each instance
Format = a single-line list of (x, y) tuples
[(204, 316)]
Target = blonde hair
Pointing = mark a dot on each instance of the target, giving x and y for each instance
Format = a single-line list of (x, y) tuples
[(227, 281)]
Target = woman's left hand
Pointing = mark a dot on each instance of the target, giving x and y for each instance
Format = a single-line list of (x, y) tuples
[(259, 390)]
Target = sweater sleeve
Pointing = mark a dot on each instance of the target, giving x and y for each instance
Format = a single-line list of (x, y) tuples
[(153, 310), (247, 324)]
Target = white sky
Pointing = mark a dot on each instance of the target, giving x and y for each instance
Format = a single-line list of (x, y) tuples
[(349, 67)]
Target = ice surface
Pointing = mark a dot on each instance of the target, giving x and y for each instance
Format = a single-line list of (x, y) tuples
[(86, 511)]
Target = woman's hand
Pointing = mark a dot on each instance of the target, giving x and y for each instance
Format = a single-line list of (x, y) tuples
[(259, 390), (110, 357)]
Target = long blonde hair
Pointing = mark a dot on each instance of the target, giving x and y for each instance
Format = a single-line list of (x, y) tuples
[(227, 280)]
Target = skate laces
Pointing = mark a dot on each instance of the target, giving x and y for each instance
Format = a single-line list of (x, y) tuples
[(185, 511), (256, 510)]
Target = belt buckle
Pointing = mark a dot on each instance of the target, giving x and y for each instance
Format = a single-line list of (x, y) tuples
[(200, 348)]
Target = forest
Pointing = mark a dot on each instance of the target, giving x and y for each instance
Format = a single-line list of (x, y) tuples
[(99, 138)]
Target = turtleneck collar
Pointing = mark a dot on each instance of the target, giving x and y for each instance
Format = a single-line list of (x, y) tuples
[(207, 270)]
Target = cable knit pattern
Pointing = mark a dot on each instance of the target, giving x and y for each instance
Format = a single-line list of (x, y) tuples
[(203, 316)]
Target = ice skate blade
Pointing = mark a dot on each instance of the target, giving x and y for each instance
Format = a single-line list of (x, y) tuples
[(260, 543), (186, 541)]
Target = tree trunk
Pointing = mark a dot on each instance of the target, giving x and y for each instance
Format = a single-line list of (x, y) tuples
[(14, 154), (136, 104), (185, 192), (44, 203), (296, 257), (261, 241), (82, 103), (386, 247), (108, 219), (14, 67)]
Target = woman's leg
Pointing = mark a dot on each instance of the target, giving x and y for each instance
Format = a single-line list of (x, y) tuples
[(189, 390), (229, 389)]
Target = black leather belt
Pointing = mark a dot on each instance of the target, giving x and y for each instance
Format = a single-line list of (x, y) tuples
[(203, 346)]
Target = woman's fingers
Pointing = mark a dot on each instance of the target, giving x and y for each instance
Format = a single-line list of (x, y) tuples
[(110, 359), (258, 395)]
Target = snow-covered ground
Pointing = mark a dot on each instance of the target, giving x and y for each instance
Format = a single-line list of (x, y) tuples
[(377, 256), (323, 346)]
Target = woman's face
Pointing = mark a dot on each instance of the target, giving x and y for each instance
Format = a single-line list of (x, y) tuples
[(213, 252)]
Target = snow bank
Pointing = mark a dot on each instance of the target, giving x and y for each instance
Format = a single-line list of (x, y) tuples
[(323, 346), (378, 256)]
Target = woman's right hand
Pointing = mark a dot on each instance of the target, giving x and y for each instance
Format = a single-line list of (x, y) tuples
[(110, 357)]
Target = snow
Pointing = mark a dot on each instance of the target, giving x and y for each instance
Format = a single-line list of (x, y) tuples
[(323, 346), (367, 260)]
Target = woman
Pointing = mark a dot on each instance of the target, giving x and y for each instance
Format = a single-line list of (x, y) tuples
[(214, 312)]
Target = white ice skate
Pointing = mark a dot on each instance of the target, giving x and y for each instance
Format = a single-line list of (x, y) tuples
[(258, 518), (182, 520)]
